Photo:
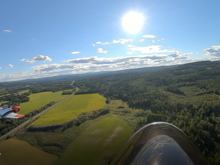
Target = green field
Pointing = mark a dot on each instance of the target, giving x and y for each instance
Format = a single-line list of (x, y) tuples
[(103, 138), (14, 151), (71, 108), (38, 100), (21, 92)]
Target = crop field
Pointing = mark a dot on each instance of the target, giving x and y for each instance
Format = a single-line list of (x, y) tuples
[(38, 100), (14, 151), (102, 139), (71, 108)]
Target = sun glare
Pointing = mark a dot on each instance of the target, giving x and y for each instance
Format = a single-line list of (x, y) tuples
[(132, 22)]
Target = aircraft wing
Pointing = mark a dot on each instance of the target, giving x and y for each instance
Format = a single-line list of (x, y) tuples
[(13, 115)]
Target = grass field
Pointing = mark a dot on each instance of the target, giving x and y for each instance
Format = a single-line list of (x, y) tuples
[(21, 92), (39, 100), (103, 138), (14, 151), (71, 108)]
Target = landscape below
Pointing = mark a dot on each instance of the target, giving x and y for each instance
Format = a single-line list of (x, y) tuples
[(187, 96)]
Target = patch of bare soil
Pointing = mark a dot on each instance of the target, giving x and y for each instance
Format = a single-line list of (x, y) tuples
[(96, 131), (113, 135)]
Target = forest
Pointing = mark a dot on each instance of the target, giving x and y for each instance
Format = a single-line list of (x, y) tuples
[(186, 95)]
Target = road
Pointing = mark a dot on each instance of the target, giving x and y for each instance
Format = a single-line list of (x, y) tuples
[(12, 132)]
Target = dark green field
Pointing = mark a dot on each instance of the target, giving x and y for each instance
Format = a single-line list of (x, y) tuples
[(100, 141), (14, 151)]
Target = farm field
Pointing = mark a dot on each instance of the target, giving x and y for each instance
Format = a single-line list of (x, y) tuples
[(14, 151), (102, 139), (38, 100), (71, 108)]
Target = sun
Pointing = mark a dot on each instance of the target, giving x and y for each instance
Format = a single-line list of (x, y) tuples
[(132, 22)]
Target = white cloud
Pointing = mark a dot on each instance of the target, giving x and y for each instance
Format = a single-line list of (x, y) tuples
[(0, 67), (75, 52), (130, 46), (213, 51), (106, 43), (163, 38), (153, 41), (149, 36), (142, 40), (150, 49), (23, 59), (93, 44), (100, 50), (39, 58), (7, 31), (121, 41), (10, 65), (129, 52)]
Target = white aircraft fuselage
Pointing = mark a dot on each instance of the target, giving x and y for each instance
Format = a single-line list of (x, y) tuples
[(10, 112)]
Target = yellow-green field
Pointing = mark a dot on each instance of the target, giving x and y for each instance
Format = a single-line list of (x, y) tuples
[(68, 90), (14, 151), (3, 102), (5, 95), (71, 108), (21, 92), (38, 100), (103, 138)]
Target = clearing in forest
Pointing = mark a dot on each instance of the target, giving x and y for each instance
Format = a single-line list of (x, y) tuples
[(71, 108), (118, 103), (14, 151), (24, 91), (38, 100), (102, 140)]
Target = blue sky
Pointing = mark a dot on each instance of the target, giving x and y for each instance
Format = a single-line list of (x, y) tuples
[(49, 37)]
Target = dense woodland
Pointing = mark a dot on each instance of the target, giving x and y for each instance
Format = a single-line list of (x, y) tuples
[(187, 96)]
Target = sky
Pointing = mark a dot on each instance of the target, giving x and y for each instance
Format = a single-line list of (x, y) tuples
[(46, 38)]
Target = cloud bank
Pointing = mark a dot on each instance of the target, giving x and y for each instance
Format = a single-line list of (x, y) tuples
[(213, 51)]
